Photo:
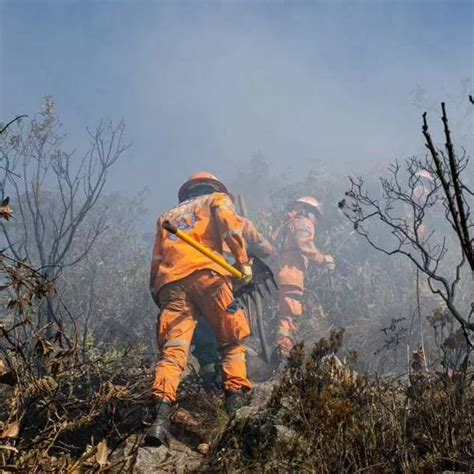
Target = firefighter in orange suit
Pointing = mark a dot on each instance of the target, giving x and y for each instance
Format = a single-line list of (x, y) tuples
[(296, 248), (205, 342), (186, 285)]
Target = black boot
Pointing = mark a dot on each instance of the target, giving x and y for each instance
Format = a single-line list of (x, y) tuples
[(211, 379), (233, 401), (210, 383), (159, 431)]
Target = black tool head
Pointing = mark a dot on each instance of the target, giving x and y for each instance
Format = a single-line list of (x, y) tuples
[(262, 275)]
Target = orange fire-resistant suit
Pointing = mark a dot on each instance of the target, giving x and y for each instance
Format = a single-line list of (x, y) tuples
[(204, 342), (185, 284), (257, 244), (295, 241)]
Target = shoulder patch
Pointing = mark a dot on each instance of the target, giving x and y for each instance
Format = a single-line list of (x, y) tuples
[(183, 217)]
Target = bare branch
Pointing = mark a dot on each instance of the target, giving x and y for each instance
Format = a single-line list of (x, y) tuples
[(12, 122), (58, 190), (404, 209)]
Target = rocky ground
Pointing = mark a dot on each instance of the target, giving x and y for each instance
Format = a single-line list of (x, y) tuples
[(318, 416), (198, 424)]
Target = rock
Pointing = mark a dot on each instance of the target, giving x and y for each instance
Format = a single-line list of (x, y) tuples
[(262, 393), (259, 397), (242, 414), (176, 458), (184, 417), (203, 448), (150, 459), (258, 370)]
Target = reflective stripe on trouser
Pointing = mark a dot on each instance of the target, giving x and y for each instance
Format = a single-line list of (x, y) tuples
[(290, 308), (174, 340), (210, 295)]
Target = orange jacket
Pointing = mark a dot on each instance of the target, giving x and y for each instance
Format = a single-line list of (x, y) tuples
[(257, 244), (209, 219), (296, 246)]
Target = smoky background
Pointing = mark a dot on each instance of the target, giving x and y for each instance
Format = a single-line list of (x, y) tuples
[(277, 99)]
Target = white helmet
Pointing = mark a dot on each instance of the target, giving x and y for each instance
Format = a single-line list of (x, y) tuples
[(311, 202), (424, 174)]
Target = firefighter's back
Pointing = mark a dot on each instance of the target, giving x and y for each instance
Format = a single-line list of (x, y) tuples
[(195, 217), (292, 260)]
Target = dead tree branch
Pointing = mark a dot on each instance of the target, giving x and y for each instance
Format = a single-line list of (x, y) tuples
[(58, 191), (410, 198), (11, 122)]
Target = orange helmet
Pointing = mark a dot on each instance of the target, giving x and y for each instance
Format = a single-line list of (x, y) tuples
[(312, 202), (197, 179)]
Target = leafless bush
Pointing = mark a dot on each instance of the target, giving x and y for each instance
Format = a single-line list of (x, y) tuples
[(55, 190), (53, 405), (426, 209), (324, 417)]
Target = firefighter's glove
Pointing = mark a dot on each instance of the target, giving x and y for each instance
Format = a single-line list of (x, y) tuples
[(330, 263), (246, 270)]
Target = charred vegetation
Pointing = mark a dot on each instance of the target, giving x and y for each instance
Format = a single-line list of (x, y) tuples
[(392, 391)]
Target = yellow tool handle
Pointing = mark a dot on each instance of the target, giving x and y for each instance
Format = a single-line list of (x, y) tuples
[(215, 257)]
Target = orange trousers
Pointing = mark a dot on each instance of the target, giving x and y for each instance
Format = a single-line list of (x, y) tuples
[(290, 299), (202, 294)]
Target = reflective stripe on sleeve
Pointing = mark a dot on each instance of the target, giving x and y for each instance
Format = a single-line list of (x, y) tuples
[(229, 357), (176, 343), (164, 361)]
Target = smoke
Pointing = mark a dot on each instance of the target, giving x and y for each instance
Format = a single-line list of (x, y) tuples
[(204, 85)]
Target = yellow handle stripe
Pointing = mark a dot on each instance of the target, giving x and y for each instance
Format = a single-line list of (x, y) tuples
[(209, 253)]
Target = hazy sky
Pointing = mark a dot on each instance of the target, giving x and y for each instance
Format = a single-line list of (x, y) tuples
[(203, 85)]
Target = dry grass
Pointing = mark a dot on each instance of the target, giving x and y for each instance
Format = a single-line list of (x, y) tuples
[(323, 417)]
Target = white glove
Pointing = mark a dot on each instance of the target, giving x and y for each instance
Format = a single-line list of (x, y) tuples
[(246, 270), (329, 261)]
